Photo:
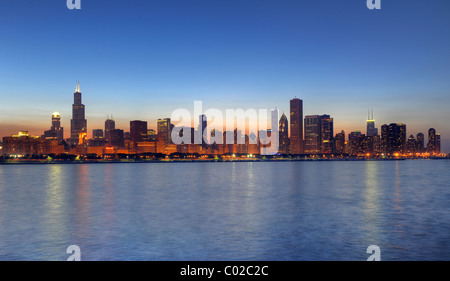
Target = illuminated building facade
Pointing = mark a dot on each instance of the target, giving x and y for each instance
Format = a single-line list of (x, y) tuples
[(318, 134), (431, 147), (78, 123), (339, 143), (438, 143), (420, 142), (371, 130), (165, 129), (356, 143), (312, 134), (117, 138), (393, 138), (296, 119), (97, 133), (283, 130), (326, 134), (110, 125), (56, 131), (138, 132), (411, 145), (23, 144)]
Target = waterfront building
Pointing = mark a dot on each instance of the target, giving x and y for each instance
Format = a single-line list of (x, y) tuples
[(393, 138), (420, 142), (165, 129), (138, 132), (110, 125), (283, 129), (78, 123), (56, 131), (296, 120), (23, 144), (326, 134)]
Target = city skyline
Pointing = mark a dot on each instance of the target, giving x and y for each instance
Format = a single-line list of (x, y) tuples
[(313, 134), (143, 60)]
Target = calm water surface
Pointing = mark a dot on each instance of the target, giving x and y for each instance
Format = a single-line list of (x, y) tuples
[(227, 211)]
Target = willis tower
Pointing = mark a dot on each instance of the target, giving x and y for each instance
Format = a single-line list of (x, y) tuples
[(78, 123)]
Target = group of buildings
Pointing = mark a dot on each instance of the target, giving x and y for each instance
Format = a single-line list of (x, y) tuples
[(298, 135)]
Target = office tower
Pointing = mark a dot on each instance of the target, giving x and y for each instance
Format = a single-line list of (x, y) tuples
[(117, 138), (97, 139), (164, 129), (393, 138), (202, 126), (78, 123), (438, 143), (138, 132), (56, 131), (402, 138), (318, 134), (296, 111), (371, 130), (97, 133), (326, 134), (376, 144), (357, 144), (110, 125), (283, 128), (151, 135), (339, 143), (420, 142), (23, 144), (312, 134), (431, 147), (411, 145)]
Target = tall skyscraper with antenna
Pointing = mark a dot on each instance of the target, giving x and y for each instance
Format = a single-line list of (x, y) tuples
[(78, 123), (371, 130)]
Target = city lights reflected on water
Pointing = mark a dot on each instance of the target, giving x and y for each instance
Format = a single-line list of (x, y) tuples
[(321, 210)]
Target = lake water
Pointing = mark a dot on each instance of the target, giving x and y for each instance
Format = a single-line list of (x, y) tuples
[(319, 210)]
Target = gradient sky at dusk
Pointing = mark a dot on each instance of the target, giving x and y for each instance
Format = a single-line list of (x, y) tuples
[(143, 59)]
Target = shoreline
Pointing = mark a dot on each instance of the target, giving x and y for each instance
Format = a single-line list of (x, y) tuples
[(45, 162)]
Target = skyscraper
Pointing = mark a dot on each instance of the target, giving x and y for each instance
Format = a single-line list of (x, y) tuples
[(56, 131), (393, 138), (284, 134), (296, 111), (438, 143), (312, 134), (318, 134), (340, 142), (164, 129), (202, 126), (117, 138), (326, 134), (97, 133), (110, 125), (420, 142), (371, 130), (78, 123), (431, 147), (356, 143), (138, 132), (411, 145)]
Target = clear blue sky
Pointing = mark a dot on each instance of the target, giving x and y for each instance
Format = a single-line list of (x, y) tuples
[(143, 59)]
